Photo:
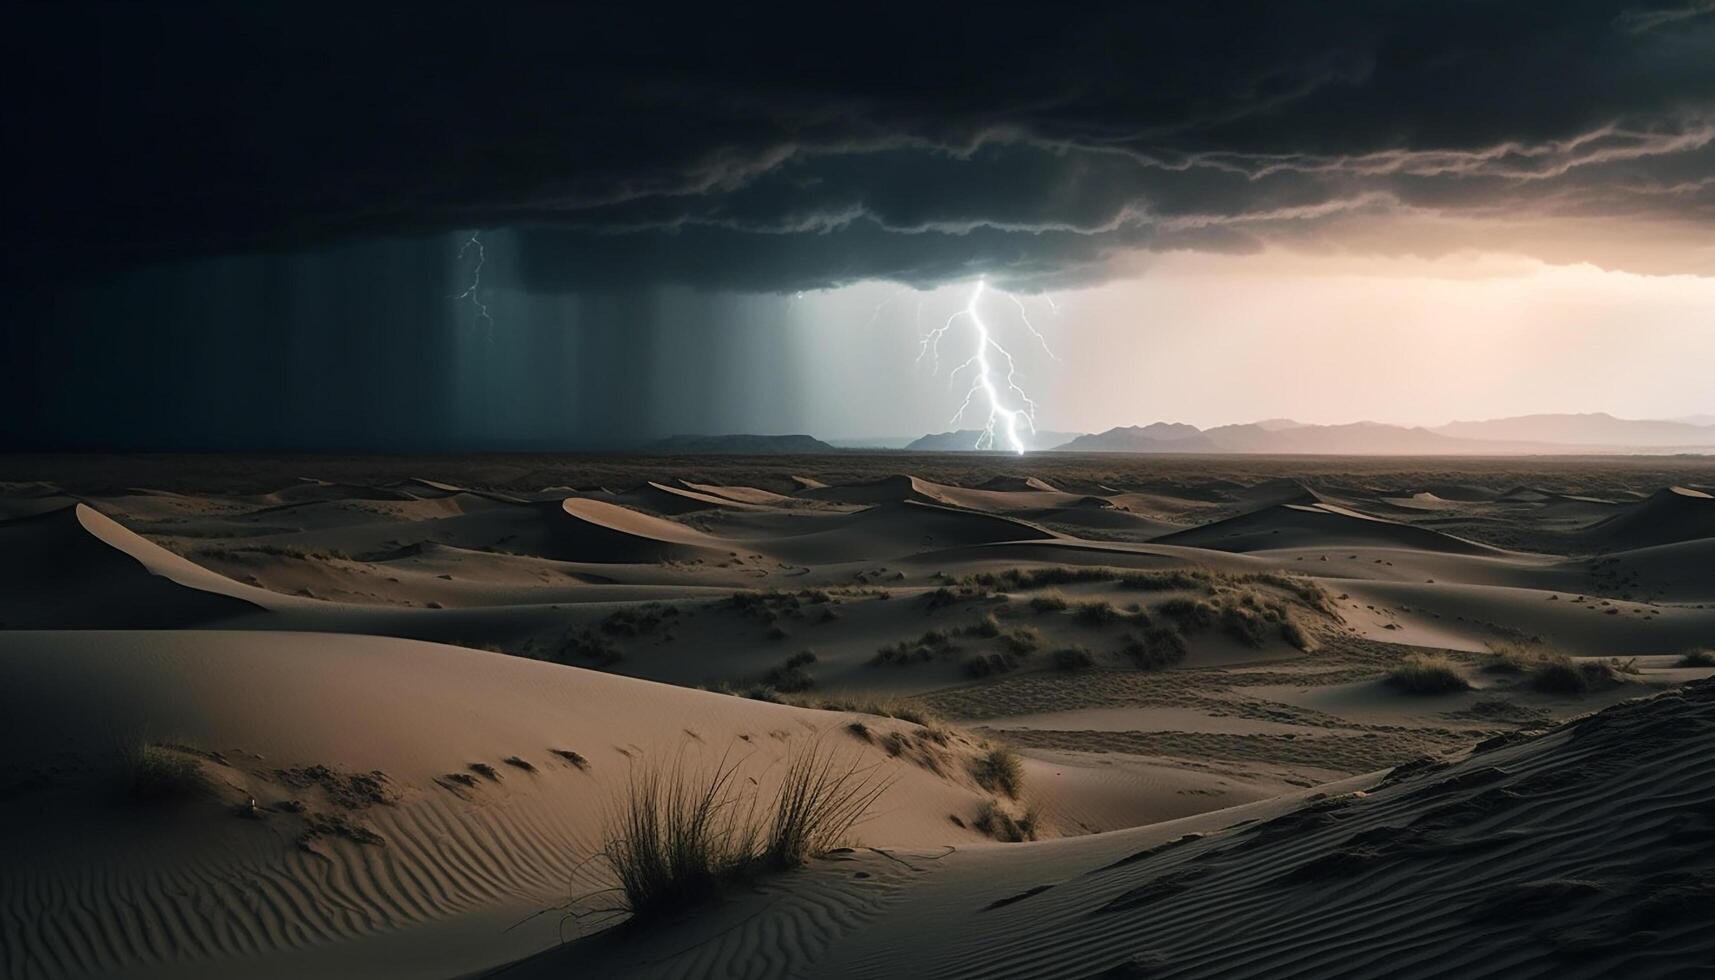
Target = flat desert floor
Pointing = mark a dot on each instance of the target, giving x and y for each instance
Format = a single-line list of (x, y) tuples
[(1125, 716)]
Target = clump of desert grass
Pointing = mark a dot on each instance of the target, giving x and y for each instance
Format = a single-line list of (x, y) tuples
[(640, 620), (999, 770), (1563, 675), (587, 644), (1155, 647), (884, 707), (1048, 602), (929, 646), (1003, 825), (681, 836), (1697, 658), (1072, 659), (1556, 673), (1421, 673), (790, 677), (1206, 581)]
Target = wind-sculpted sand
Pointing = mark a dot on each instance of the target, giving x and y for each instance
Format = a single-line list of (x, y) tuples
[(409, 696)]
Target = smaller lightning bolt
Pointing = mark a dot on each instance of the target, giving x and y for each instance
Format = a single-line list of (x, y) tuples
[(476, 281), (1025, 316)]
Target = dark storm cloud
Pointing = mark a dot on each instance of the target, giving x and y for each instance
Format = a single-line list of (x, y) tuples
[(814, 146)]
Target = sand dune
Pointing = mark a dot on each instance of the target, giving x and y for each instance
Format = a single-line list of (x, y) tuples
[(897, 530), (1672, 514), (97, 885), (743, 495), (1580, 853), (1313, 522), (887, 490), (664, 499), (603, 532), (1017, 483), (75, 567)]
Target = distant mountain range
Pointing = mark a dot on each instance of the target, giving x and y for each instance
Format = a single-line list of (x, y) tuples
[(966, 439), (1583, 430), (1522, 435), (1531, 434)]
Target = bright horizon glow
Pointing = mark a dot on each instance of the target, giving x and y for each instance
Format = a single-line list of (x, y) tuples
[(1321, 339)]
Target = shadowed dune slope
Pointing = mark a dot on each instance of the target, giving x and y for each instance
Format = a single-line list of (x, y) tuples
[(443, 795), (742, 495), (1314, 523), (665, 499), (1669, 515), (1580, 853), (896, 530), (77, 567), (597, 531), (887, 490)]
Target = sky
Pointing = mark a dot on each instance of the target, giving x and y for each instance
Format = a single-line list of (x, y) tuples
[(248, 227)]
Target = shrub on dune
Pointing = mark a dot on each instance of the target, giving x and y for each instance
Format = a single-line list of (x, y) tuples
[(999, 770), (1563, 675), (1425, 674), (1156, 648), (997, 822), (681, 836), (1073, 658), (1048, 602)]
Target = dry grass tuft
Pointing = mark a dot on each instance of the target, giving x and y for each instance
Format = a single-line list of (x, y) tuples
[(999, 770), (1072, 659), (1427, 674), (681, 836), (995, 821)]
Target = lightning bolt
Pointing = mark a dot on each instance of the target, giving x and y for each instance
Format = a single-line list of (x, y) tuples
[(476, 281), (1003, 419)]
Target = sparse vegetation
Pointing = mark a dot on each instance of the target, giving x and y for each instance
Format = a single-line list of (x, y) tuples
[(587, 644), (1048, 602), (932, 644), (882, 707), (575, 758), (791, 677), (995, 821), (682, 836), (1512, 658), (953, 595), (639, 621), (1021, 641), (1073, 658), (1189, 614), (1563, 675), (1697, 658), (1556, 673), (1098, 613), (1155, 648), (999, 770), (1427, 674)]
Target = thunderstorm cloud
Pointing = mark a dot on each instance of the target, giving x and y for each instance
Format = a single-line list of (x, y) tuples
[(815, 146)]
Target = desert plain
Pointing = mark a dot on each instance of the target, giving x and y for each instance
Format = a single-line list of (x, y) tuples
[(1109, 715)]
